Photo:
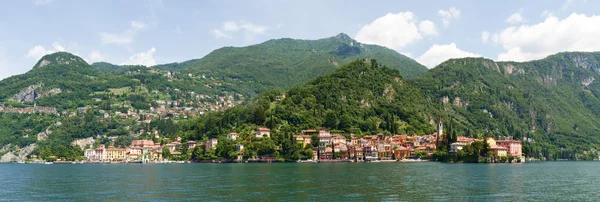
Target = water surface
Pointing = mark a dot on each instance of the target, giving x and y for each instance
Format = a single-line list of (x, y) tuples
[(551, 181)]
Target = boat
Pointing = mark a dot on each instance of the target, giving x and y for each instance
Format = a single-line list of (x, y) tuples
[(48, 163)]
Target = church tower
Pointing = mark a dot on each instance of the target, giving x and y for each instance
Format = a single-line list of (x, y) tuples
[(440, 128)]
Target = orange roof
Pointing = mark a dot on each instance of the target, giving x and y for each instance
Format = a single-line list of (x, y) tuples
[(264, 129)]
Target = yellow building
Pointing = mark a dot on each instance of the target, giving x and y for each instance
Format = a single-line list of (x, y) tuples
[(498, 151), (304, 140), (116, 154)]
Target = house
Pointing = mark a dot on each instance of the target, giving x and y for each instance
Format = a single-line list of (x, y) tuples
[(514, 147), (454, 147), (135, 153), (171, 147), (95, 155), (263, 132), (498, 151), (371, 153), (324, 143), (191, 144), (212, 143), (401, 152), (116, 154), (303, 139), (232, 136)]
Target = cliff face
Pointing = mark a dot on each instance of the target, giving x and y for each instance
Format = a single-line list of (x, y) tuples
[(28, 94), (20, 154), (33, 93)]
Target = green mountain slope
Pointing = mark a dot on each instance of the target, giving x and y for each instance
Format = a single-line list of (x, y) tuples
[(555, 101), (58, 79), (360, 97), (286, 63)]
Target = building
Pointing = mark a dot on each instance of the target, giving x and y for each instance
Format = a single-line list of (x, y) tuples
[(498, 151), (116, 154), (96, 155), (513, 147), (263, 132), (303, 139), (401, 152), (212, 143), (324, 143), (191, 144), (455, 147), (232, 136)]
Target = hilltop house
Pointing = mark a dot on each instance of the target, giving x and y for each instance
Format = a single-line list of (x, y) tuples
[(263, 132)]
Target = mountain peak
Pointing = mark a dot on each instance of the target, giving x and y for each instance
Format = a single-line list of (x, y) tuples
[(344, 37), (59, 58)]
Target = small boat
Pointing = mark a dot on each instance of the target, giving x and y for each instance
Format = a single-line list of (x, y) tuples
[(48, 163)]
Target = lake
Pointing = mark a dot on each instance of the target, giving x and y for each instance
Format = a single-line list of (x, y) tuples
[(547, 181)]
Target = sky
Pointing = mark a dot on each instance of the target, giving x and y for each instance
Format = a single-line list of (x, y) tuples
[(150, 32)]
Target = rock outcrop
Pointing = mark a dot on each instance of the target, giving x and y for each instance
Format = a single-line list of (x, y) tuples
[(83, 142), (20, 154), (33, 93), (28, 94)]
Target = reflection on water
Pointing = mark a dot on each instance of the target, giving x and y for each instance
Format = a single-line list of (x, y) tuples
[(301, 182)]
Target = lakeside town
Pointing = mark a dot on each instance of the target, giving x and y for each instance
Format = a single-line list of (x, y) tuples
[(331, 147)]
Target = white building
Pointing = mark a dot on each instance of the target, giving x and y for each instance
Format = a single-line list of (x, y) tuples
[(232, 136), (454, 147)]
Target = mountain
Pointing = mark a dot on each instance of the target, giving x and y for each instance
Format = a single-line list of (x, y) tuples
[(362, 97), (57, 79), (553, 101), (286, 63)]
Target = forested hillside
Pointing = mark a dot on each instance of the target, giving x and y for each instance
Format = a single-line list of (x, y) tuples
[(553, 102), (286, 63)]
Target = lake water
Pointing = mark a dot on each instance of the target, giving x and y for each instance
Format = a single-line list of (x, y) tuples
[(549, 181)]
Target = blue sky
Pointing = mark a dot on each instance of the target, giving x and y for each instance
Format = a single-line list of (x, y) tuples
[(152, 32)]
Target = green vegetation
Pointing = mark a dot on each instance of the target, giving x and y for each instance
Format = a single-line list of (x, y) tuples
[(552, 104), (360, 98), (548, 101), (285, 63)]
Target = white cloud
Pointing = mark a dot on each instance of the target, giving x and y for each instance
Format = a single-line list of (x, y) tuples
[(407, 54), (451, 14), (95, 56), (125, 37), (394, 31), (529, 42), (39, 51), (485, 36), (143, 58), (440, 53), (428, 28), (219, 34), (230, 28), (41, 2), (515, 18)]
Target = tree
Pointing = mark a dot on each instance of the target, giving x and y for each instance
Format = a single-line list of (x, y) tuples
[(420, 154), (45, 153), (331, 120), (166, 153)]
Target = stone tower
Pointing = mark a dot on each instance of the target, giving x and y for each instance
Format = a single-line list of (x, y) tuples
[(440, 128)]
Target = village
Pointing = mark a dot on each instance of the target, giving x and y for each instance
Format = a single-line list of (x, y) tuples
[(331, 147)]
